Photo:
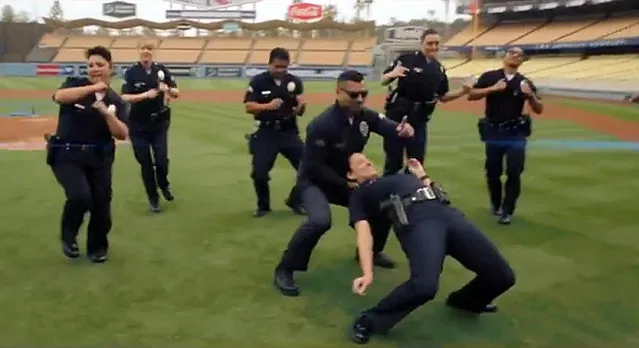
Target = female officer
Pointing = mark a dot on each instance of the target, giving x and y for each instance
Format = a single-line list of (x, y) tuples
[(82, 151)]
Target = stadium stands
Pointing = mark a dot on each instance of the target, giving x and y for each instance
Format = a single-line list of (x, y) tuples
[(213, 50)]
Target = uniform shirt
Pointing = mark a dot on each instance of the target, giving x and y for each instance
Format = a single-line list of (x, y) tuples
[(426, 79), (332, 137), (506, 104), (80, 123), (366, 199), (139, 80), (263, 88)]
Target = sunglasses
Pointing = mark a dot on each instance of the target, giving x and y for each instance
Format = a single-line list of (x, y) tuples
[(354, 95)]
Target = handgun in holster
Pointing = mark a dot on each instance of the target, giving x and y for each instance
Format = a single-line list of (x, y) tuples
[(51, 140), (440, 193), (396, 210)]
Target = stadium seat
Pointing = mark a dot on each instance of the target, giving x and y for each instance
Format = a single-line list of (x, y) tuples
[(133, 42), (224, 57), (51, 40), (70, 55), (182, 43), (179, 56), (466, 35), (504, 33), (600, 29), (125, 55), (581, 67), (321, 58), (553, 31), (474, 67), (359, 59), (88, 41), (629, 32)]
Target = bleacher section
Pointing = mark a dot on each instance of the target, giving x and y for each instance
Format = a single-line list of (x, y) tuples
[(213, 50), (613, 67), (556, 31)]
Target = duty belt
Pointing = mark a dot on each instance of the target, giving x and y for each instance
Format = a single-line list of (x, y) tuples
[(282, 124), (508, 125), (396, 205)]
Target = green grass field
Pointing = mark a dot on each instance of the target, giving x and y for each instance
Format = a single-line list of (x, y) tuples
[(200, 273)]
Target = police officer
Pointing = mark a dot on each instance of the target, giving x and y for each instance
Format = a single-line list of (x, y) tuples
[(339, 131), (428, 229), (275, 99), (82, 151), (149, 86), (505, 129), (421, 83), (633, 99)]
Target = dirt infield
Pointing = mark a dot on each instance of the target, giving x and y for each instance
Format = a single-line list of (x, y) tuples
[(26, 133)]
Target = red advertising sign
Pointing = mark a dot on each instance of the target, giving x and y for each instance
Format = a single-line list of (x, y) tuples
[(305, 11)]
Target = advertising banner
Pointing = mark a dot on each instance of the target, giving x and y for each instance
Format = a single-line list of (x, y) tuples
[(47, 69), (118, 9), (214, 4), (210, 14), (219, 71)]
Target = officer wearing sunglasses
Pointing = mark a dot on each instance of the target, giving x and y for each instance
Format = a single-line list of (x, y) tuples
[(421, 84), (275, 99), (331, 138), (505, 129)]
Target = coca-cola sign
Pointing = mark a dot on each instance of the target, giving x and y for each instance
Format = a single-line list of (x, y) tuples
[(305, 11)]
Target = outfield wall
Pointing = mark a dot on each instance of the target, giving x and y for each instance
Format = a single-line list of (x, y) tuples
[(197, 71)]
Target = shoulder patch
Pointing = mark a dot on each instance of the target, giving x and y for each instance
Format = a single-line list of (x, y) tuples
[(380, 115)]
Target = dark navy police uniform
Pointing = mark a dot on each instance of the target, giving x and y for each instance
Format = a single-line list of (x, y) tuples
[(434, 230), (81, 155), (504, 130), (149, 126), (331, 138), (277, 132), (416, 96)]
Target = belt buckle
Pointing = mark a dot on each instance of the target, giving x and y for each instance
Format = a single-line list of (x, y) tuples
[(425, 192)]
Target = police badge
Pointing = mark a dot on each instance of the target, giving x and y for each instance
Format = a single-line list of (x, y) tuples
[(363, 128)]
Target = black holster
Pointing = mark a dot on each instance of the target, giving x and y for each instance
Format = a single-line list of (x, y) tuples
[(51, 140), (396, 210), (397, 107)]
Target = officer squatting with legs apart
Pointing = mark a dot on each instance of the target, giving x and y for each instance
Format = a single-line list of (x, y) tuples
[(428, 229), (505, 129), (82, 151), (341, 130), (275, 99), (421, 83), (149, 87)]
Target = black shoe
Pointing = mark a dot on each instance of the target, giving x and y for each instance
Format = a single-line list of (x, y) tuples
[(168, 195), (70, 249), (297, 209), (261, 212), (154, 205), (489, 308), (98, 257), (362, 329), (285, 282), (505, 219)]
